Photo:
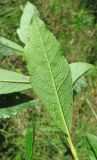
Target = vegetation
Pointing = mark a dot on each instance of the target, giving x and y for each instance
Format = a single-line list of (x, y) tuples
[(52, 79)]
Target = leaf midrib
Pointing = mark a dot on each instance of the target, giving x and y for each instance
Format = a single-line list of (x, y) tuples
[(53, 80), (14, 49), (27, 82)]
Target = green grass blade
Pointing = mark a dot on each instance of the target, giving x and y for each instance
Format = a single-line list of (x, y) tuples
[(30, 137)]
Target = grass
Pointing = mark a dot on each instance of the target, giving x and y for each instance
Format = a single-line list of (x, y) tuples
[(75, 27)]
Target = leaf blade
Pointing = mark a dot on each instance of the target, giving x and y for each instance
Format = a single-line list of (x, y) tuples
[(8, 47), (13, 82), (13, 110), (28, 12), (30, 138), (50, 73), (78, 69)]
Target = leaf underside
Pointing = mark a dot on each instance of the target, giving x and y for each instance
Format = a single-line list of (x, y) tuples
[(50, 73), (78, 69), (28, 11), (8, 48), (81, 82), (12, 111), (13, 82)]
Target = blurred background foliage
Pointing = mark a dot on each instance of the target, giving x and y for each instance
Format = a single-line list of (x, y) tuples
[(74, 23)]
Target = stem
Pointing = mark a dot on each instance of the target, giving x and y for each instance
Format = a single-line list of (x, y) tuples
[(71, 146), (72, 149)]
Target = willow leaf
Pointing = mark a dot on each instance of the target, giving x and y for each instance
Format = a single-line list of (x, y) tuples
[(8, 47), (13, 82), (78, 69), (49, 72), (13, 110), (28, 11)]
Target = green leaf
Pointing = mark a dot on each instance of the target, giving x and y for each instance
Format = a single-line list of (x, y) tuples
[(13, 110), (8, 47), (30, 138), (78, 69), (49, 72), (18, 156), (13, 82), (81, 82), (28, 12), (91, 144)]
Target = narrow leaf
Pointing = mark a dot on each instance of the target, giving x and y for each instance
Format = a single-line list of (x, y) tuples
[(13, 110), (13, 82), (50, 73), (28, 11), (8, 47), (30, 137), (78, 69), (91, 143)]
